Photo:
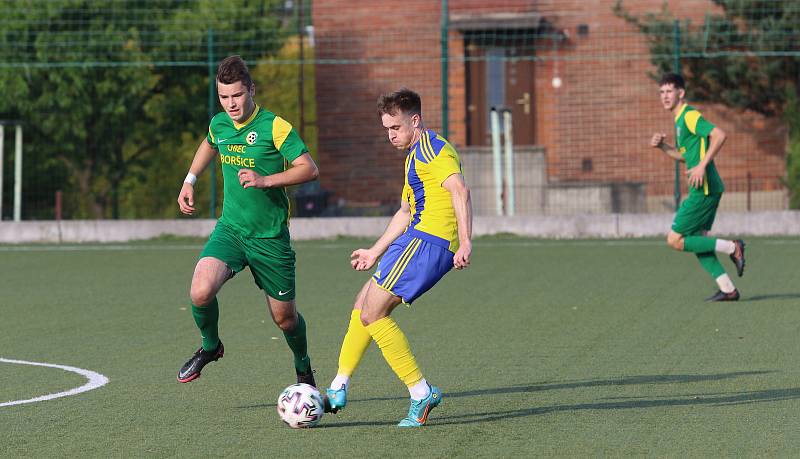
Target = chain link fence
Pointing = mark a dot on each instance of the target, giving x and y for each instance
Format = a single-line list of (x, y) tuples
[(113, 97)]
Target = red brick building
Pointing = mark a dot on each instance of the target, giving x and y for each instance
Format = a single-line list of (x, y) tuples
[(592, 130)]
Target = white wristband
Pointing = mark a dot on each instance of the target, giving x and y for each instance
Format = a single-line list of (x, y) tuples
[(190, 179)]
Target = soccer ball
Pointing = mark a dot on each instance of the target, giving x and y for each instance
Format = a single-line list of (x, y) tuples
[(300, 406)]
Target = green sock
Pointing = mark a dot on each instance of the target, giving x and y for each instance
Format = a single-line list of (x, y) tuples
[(207, 320), (711, 264), (299, 345), (699, 244)]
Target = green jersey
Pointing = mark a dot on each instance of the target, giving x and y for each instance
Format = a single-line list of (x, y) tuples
[(691, 134), (265, 143)]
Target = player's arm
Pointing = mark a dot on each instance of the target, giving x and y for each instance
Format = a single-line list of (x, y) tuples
[(364, 259), (462, 205), (716, 139), (202, 158), (303, 169), (658, 142)]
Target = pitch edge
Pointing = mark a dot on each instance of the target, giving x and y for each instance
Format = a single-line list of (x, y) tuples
[(95, 380)]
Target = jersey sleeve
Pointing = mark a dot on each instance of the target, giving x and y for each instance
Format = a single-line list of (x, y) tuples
[(211, 139), (286, 140), (697, 124), (445, 164)]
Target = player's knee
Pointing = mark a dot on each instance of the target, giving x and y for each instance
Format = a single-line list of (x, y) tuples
[(286, 322), (201, 295), (366, 318), (675, 241)]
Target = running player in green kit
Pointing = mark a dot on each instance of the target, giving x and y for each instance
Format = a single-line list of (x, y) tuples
[(697, 143), (255, 147)]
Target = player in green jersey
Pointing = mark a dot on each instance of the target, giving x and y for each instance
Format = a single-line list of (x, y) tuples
[(697, 142), (255, 147)]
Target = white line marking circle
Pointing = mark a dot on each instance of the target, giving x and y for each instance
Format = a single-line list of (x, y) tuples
[(95, 380)]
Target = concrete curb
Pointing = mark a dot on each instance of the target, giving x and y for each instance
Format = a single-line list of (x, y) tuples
[(775, 223)]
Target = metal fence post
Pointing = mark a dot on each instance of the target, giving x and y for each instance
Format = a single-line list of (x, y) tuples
[(497, 161), (445, 107), (2, 135), (677, 69), (18, 175), (211, 109), (508, 130)]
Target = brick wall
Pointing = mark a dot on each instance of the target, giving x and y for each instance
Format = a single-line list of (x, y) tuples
[(605, 111)]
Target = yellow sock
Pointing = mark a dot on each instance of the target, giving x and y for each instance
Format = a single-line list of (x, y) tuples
[(396, 351), (356, 341)]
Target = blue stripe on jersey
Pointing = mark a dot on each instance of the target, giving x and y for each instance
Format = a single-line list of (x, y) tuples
[(426, 143), (436, 143), (428, 147), (419, 192), (421, 153)]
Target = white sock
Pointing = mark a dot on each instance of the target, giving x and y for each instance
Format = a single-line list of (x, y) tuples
[(725, 246), (420, 390), (725, 283), (340, 381)]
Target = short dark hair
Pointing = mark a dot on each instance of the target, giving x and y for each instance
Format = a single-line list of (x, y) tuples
[(403, 100), (233, 69), (674, 79)]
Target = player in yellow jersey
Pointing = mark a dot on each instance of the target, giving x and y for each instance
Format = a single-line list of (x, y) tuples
[(697, 142), (428, 236)]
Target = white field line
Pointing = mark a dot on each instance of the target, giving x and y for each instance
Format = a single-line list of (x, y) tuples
[(95, 380)]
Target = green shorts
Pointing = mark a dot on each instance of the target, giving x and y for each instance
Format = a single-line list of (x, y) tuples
[(271, 260), (696, 214)]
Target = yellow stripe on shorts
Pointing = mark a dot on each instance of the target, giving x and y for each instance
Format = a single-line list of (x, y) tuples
[(404, 262), (401, 264)]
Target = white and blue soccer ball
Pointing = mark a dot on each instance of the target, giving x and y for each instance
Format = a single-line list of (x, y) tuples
[(300, 406)]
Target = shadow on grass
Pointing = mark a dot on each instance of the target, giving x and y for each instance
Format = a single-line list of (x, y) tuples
[(621, 403), (720, 399), (733, 398), (622, 381), (774, 296)]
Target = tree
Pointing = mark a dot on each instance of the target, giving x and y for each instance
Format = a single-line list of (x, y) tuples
[(743, 57), (80, 113), (277, 88), (108, 89)]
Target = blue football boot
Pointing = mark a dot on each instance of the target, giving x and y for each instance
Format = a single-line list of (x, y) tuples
[(335, 399), (420, 409)]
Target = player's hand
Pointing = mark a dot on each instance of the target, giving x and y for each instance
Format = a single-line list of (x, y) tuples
[(363, 259), (461, 258), (186, 199), (657, 140), (249, 178), (696, 175)]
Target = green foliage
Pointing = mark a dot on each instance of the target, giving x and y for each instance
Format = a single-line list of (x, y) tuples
[(277, 86), (744, 57), (111, 91), (792, 181), (741, 58)]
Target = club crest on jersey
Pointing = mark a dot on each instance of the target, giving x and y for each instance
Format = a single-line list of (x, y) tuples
[(251, 137)]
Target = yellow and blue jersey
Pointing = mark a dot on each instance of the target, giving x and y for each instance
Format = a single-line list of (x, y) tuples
[(429, 163), (421, 256)]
